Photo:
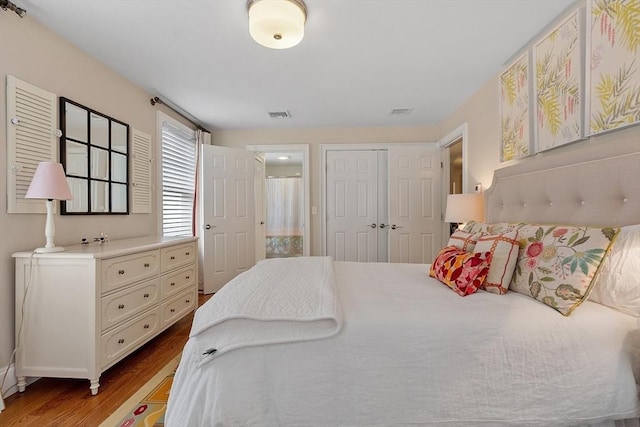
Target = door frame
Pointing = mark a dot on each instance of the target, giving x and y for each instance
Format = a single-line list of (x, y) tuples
[(295, 148), (323, 174), (459, 133)]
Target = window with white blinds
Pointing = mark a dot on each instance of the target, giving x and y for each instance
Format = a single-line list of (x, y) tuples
[(178, 179)]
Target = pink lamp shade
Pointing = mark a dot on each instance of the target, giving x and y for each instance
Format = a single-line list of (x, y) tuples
[(49, 182), (464, 207)]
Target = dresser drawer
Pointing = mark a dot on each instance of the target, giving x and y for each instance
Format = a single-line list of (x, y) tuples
[(120, 271), (177, 307), (176, 256), (178, 281), (119, 306), (120, 341)]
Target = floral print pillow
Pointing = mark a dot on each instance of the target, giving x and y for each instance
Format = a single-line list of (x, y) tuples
[(462, 271), (557, 264)]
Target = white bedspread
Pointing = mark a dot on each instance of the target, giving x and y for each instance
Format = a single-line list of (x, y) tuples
[(412, 352), (277, 301)]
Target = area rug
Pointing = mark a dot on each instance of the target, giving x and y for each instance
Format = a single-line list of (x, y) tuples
[(148, 405)]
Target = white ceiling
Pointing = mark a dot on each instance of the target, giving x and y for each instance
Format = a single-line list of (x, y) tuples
[(358, 60), (292, 159)]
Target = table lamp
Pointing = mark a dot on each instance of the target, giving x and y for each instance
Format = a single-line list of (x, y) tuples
[(49, 182), (464, 207)]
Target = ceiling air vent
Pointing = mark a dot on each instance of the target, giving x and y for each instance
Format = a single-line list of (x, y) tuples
[(401, 111), (279, 114)]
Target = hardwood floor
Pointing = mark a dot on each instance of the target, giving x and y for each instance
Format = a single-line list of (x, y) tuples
[(68, 402)]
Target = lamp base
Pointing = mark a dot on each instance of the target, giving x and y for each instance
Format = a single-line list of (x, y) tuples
[(49, 250)]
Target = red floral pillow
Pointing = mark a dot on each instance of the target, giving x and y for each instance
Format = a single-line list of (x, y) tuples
[(461, 271)]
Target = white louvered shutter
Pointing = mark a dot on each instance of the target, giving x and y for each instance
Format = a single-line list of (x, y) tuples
[(31, 126), (141, 172), (178, 180)]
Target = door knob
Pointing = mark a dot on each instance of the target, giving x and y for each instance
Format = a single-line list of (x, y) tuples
[(393, 227), (382, 226), (209, 226), (372, 225), (261, 222)]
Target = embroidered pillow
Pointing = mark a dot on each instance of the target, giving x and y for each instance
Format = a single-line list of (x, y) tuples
[(462, 271), (504, 254), (463, 240), (557, 264), (484, 228), (617, 284)]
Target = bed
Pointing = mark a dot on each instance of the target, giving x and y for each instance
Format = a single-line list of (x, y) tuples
[(312, 342)]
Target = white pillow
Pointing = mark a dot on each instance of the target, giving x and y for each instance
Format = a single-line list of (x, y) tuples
[(504, 255), (463, 240), (618, 282)]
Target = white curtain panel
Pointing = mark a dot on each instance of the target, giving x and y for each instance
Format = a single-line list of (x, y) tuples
[(284, 207)]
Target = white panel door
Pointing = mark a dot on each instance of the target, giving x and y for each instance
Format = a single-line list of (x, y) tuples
[(261, 207), (228, 214), (414, 203), (352, 206), (383, 206)]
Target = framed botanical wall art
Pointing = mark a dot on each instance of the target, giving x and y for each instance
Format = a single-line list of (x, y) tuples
[(558, 88), (514, 110), (613, 37)]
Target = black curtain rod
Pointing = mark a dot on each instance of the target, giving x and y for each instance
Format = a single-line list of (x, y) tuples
[(156, 100), (7, 5)]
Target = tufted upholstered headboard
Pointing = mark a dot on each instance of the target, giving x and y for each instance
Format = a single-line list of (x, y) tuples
[(600, 192)]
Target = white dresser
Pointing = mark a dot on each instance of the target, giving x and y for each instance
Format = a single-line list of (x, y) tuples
[(90, 306)]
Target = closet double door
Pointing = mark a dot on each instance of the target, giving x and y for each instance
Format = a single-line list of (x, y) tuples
[(384, 204)]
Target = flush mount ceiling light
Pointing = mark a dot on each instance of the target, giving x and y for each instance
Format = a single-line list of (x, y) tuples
[(277, 24)]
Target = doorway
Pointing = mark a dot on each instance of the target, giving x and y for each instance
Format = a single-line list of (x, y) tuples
[(286, 196), (454, 160)]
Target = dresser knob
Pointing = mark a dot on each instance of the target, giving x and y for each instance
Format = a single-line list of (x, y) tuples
[(187, 253), (146, 326), (187, 277), (121, 341), (172, 257), (146, 295), (120, 271), (187, 301), (146, 264), (173, 310), (172, 283), (121, 306)]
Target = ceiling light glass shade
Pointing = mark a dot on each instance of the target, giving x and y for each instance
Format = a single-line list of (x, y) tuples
[(277, 24)]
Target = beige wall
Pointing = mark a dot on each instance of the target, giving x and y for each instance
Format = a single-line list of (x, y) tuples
[(280, 171), (481, 113), (317, 137), (32, 53)]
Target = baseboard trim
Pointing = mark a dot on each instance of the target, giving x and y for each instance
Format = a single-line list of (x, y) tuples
[(11, 383)]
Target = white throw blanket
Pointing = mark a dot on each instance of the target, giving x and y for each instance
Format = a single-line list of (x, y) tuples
[(277, 301)]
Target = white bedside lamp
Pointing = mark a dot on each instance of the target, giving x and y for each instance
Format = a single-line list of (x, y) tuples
[(49, 182), (464, 207)]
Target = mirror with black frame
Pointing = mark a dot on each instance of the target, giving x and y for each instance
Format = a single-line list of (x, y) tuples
[(94, 149)]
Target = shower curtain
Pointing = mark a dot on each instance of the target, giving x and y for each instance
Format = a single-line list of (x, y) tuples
[(285, 210)]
